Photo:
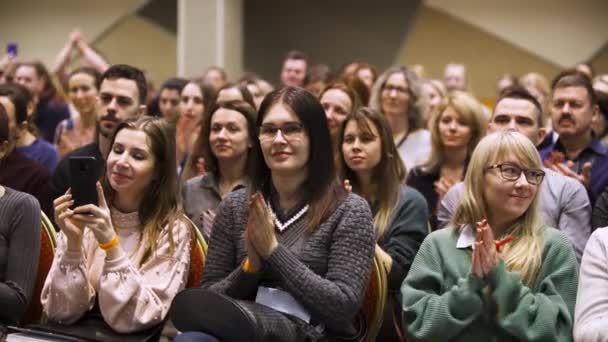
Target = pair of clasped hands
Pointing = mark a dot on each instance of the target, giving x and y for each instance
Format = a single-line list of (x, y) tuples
[(260, 238), (73, 221)]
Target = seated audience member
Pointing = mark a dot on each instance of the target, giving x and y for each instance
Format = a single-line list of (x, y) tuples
[(257, 87), (496, 270), (600, 83), (396, 95), (169, 98), (505, 82), (372, 166), (294, 69), (122, 93), (338, 101), (600, 122), (16, 99), (367, 73), (195, 97), (456, 128), (19, 242), (576, 153), (455, 77), (296, 234), (79, 130), (49, 110), (235, 92), (215, 77), (432, 94), (224, 144), (127, 257), (564, 203), (586, 69), (16, 170), (590, 319), (318, 77)]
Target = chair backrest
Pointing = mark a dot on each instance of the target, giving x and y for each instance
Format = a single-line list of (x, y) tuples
[(45, 260), (375, 299), (198, 254)]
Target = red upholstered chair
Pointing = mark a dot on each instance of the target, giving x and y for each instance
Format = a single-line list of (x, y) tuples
[(198, 254), (374, 301), (47, 252)]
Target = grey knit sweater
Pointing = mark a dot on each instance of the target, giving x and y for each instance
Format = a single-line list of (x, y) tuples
[(327, 270)]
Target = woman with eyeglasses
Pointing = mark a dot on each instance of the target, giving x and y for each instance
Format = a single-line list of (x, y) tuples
[(496, 271), (290, 257), (396, 94)]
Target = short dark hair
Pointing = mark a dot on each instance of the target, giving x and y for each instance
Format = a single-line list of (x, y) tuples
[(19, 96), (4, 134), (602, 103), (96, 75), (130, 73), (176, 84), (298, 55), (42, 72), (520, 93), (321, 189), (574, 78)]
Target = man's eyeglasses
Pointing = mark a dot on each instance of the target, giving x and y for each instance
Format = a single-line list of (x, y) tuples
[(289, 131), (511, 172)]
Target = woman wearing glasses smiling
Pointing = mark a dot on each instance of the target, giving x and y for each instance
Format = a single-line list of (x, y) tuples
[(294, 242), (497, 271)]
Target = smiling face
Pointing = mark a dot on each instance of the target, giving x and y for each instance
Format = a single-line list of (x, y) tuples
[(506, 199), (337, 105), (454, 132), (228, 137), (362, 148), (130, 164), (83, 93), (285, 145)]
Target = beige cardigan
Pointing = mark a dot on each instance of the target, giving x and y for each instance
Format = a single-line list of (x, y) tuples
[(131, 297), (591, 313)]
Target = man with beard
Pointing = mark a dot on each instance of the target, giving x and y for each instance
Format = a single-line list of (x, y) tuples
[(576, 153), (122, 95)]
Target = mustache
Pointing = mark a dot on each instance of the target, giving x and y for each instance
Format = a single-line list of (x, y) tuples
[(566, 117)]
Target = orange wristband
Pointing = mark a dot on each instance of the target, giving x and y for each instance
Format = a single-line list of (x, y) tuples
[(109, 245), (246, 266)]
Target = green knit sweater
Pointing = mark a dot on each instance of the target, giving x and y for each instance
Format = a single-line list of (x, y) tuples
[(443, 301)]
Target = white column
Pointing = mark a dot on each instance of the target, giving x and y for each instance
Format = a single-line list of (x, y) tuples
[(209, 32)]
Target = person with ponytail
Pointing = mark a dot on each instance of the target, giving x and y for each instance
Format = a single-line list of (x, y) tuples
[(496, 270)]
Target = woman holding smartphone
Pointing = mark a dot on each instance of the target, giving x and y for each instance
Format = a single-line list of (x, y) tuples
[(127, 257), (496, 271), (295, 238)]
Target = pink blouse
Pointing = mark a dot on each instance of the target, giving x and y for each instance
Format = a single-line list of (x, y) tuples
[(132, 296)]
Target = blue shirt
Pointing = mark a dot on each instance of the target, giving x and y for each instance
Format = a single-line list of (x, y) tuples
[(42, 152), (597, 154)]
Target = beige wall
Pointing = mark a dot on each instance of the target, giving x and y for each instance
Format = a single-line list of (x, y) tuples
[(437, 39), (145, 45), (41, 28), (600, 61)]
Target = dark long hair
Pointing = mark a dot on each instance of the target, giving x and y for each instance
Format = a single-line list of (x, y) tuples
[(321, 189), (162, 205)]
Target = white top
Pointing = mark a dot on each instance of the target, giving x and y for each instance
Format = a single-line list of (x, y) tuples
[(415, 149)]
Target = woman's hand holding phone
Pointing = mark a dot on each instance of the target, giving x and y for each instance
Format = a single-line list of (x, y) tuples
[(97, 218), (73, 230)]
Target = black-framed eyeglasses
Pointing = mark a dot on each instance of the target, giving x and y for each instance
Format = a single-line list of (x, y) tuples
[(512, 172), (289, 131)]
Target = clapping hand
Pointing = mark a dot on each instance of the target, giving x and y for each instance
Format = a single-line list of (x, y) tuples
[(260, 227), (484, 253)]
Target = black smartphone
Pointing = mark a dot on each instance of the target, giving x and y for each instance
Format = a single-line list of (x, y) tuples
[(83, 176)]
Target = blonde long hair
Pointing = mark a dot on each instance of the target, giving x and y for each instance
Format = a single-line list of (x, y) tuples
[(524, 254), (470, 110)]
